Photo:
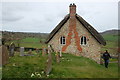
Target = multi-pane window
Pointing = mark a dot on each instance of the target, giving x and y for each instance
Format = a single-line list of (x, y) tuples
[(62, 40), (83, 40)]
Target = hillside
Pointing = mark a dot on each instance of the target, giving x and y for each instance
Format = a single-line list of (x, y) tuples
[(110, 32), (110, 35), (10, 36)]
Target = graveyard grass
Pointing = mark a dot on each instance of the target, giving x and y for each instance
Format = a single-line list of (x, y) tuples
[(70, 66)]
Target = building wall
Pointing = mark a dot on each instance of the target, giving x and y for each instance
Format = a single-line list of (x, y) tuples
[(90, 50)]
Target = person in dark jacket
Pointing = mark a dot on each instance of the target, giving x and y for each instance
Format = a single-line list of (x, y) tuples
[(106, 57)]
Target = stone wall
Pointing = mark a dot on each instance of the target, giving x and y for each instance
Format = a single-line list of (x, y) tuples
[(90, 50)]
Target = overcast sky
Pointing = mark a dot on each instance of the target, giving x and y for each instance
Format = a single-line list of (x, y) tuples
[(45, 15)]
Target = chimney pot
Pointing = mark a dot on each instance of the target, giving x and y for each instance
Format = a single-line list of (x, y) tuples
[(72, 10)]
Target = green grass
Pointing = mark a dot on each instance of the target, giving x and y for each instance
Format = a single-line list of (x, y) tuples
[(29, 42), (70, 67), (111, 37), (33, 45), (112, 43), (23, 67)]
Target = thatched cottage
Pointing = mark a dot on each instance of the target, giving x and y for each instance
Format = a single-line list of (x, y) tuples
[(74, 35)]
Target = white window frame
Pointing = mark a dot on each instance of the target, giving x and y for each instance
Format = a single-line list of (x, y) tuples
[(62, 37), (83, 43)]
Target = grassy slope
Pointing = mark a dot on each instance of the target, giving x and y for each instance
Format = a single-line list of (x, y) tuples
[(112, 43), (111, 37), (70, 67)]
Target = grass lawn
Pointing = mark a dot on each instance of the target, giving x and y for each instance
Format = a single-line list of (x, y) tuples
[(70, 67)]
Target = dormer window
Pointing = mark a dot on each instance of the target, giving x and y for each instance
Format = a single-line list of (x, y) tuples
[(83, 40), (62, 40)]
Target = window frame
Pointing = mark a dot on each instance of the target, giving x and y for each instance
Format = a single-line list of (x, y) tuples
[(84, 40), (62, 40)]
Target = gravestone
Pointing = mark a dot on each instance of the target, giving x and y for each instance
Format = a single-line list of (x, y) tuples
[(57, 58), (11, 49), (49, 49), (60, 53), (43, 51), (30, 51), (21, 51), (48, 67), (37, 51), (4, 57)]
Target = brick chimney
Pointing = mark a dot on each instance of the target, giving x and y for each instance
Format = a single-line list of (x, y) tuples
[(72, 9), (72, 29)]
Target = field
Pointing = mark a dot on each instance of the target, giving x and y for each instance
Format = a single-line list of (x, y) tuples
[(112, 43), (70, 66), (29, 42)]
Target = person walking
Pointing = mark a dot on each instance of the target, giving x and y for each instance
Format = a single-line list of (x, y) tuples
[(106, 57)]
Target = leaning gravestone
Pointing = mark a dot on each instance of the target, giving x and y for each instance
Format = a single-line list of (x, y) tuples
[(4, 54), (60, 53), (37, 50), (48, 67), (57, 58), (21, 51), (43, 51), (49, 49), (11, 49), (30, 51)]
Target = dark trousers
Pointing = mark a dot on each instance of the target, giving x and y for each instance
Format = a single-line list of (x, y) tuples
[(106, 63)]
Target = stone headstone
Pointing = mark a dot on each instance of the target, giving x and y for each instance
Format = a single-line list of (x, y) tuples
[(30, 51), (21, 51), (48, 67), (57, 58), (4, 55), (37, 51), (43, 51), (60, 53), (11, 49)]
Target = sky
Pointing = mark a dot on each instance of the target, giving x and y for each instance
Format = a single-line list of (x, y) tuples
[(43, 16)]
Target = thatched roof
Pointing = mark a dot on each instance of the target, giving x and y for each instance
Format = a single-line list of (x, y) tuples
[(90, 29)]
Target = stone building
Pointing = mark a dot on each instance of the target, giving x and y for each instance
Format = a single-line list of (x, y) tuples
[(74, 35)]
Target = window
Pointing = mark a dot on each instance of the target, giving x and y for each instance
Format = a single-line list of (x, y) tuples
[(83, 40), (62, 40)]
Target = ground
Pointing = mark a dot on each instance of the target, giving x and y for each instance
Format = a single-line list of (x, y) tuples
[(70, 66)]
